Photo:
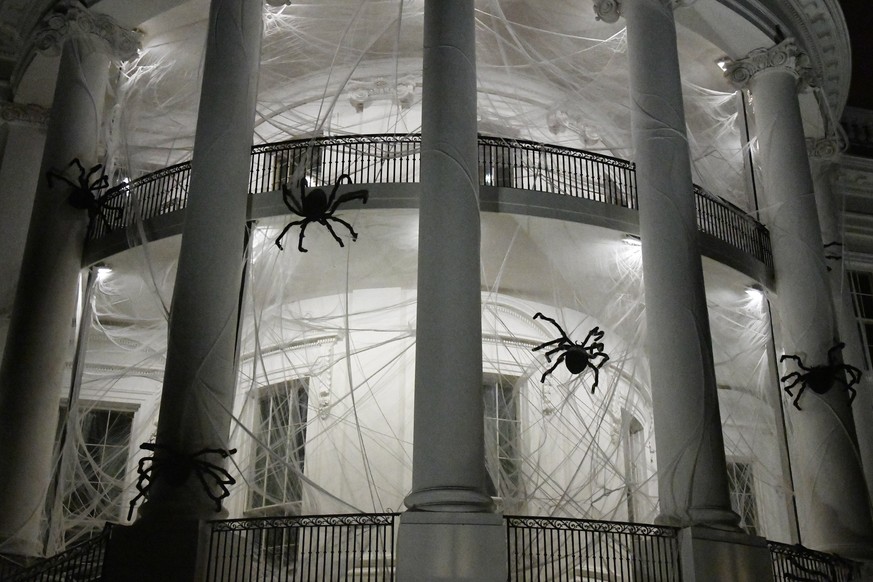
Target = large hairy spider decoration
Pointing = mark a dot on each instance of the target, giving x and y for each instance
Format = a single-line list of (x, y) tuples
[(576, 355), (317, 206), (176, 468), (821, 378), (85, 194)]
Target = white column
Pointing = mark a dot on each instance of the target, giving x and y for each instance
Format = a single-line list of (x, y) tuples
[(200, 375), (40, 326), (692, 474), (824, 157), (831, 497), (22, 137), (448, 532)]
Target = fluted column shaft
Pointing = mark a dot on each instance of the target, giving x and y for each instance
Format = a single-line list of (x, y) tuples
[(40, 327), (692, 478), (830, 494), (200, 376), (448, 460)]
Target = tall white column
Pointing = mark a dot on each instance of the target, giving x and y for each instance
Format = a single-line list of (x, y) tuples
[(831, 497), (692, 474), (200, 375), (448, 532), (40, 326), (824, 158)]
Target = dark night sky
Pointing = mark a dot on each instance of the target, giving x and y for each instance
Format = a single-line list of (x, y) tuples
[(859, 16)]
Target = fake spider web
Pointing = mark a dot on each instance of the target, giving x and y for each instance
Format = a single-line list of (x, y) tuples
[(323, 415)]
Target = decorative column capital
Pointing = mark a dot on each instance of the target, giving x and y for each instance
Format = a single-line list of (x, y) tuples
[(24, 114), (785, 56), (71, 19)]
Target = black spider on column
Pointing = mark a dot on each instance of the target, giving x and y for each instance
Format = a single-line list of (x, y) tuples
[(86, 194), (577, 356), (177, 467), (821, 378), (317, 206)]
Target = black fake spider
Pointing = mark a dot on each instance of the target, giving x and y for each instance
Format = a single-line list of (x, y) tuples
[(317, 206), (177, 467), (821, 378), (85, 194), (576, 355)]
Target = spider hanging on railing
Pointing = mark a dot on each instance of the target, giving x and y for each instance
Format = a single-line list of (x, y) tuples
[(576, 355), (317, 206), (177, 467), (85, 194), (821, 378)]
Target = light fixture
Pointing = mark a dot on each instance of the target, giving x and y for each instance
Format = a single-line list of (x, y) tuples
[(632, 240), (723, 63), (103, 270)]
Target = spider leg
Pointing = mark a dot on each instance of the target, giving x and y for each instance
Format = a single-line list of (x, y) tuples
[(539, 315), (363, 195), (548, 343), (796, 398), (56, 176), (852, 393), (290, 201), (550, 352), (604, 358), (796, 359), (552, 369), (832, 353), (285, 230), (853, 373), (345, 224), (596, 378), (76, 162), (795, 376), (332, 232), (596, 334), (303, 224)]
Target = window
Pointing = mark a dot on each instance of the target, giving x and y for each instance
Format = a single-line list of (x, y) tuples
[(634, 464), (742, 493), (861, 283), (280, 428), (502, 427), (93, 483)]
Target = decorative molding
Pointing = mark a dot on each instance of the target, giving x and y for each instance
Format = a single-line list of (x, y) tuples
[(381, 89), (71, 19), (25, 114), (824, 149), (785, 56), (608, 11)]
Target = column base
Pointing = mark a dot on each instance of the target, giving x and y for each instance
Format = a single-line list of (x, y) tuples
[(444, 546), (154, 550), (449, 499), (717, 555)]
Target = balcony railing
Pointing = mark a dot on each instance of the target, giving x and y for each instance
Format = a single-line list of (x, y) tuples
[(558, 550), (391, 159), (796, 563), (83, 563), (353, 547)]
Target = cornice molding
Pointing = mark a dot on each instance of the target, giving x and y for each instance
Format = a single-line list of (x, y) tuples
[(71, 19), (785, 56), (24, 114)]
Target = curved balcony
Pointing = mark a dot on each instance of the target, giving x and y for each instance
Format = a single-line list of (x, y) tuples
[(394, 159)]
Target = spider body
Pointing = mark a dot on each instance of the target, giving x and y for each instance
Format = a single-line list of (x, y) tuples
[(176, 468), (317, 206), (85, 193), (576, 356), (821, 378)]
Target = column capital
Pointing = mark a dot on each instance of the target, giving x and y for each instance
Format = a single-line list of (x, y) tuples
[(610, 11), (72, 19), (785, 56), (24, 114)]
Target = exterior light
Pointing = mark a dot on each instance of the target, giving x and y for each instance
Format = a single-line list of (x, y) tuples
[(632, 240)]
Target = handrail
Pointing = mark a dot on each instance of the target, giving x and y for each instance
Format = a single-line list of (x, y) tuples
[(796, 562), (394, 158), (84, 561)]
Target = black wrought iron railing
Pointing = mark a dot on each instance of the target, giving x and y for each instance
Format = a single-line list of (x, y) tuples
[(389, 158), (83, 563), (558, 550), (353, 547), (799, 564)]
